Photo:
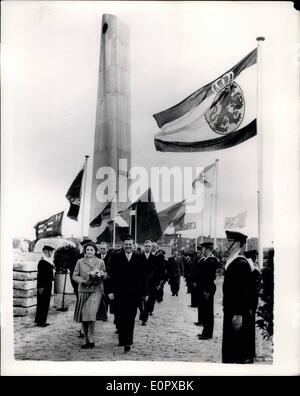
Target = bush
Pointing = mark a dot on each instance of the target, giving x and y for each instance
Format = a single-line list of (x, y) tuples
[(265, 310), (65, 258)]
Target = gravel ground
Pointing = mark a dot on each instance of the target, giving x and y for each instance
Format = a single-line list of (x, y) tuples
[(170, 335)]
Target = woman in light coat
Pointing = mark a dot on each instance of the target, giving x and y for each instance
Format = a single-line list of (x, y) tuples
[(89, 291)]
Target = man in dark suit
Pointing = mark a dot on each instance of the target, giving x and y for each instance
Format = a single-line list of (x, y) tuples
[(194, 278), (238, 343), (196, 288), (150, 262), (44, 286), (207, 289), (128, 286), (175, 271)]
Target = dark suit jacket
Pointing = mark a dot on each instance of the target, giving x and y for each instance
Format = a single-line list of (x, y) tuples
[(150, 268), (128, 279), (45, 274), (207, 274), (174, 267)]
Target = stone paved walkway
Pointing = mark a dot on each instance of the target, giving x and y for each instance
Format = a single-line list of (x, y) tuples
[(170, 335)]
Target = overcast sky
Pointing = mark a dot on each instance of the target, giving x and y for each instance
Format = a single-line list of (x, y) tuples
[(51, 58)]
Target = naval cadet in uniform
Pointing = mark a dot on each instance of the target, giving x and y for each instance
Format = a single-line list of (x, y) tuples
[(238, 344), (44, 286), (207, 289)]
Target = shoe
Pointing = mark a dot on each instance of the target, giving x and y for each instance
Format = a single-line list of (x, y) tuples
[(81, 335), (127, 348), (144, 323), (88, 345), (121, 345), (197, 323), (117, 331), (150, 313), (43, 324), (203, 337), (173, 295)]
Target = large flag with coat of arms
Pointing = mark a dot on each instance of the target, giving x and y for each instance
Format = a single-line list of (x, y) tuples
[(219, 115)]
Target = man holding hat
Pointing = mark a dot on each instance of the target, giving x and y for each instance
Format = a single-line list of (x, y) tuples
[(238, 344), (128, 286), (207, 289), (44, 286)]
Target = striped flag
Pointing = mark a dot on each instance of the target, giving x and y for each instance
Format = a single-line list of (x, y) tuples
[(173, 216), (114, 208), (238, 221), (50, 227), (120, 222), (74, 196), (146, 218), (205, 176), (104, 215), (219, 115)]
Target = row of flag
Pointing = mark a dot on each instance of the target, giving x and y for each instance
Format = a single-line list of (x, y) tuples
[(219, 115), (149, 223)]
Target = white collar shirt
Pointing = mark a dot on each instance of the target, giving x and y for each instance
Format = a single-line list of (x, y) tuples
[(128, 256)]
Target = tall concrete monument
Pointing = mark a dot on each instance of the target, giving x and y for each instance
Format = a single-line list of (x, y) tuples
[(113, 127)]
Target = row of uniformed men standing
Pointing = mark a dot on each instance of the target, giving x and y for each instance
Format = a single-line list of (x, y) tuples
[(240, 295)]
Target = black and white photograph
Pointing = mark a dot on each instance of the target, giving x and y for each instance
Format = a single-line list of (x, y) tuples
[(150, 188)]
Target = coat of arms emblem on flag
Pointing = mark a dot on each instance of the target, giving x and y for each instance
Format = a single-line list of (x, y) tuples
[(227, 111), (226, 106)]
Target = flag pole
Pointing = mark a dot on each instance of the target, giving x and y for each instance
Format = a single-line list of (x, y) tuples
[(114, 225), (210, 214), (259, 173), (135, 224), (216, 200), (130, 222), (202, 223), (83, 195)]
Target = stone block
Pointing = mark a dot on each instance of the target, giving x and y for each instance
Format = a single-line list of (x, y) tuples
[(26, 266), (24, 311), (24, 285), (24, 301), (24, 276), (18, 293)]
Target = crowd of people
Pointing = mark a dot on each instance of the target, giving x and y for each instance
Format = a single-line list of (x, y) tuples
[(131, 279)]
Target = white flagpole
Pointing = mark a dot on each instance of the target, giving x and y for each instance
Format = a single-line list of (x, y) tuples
[(259, 173), (202, 216), (114, 223), (216, 200), (203, 208), (210, 214), (135, 224), (83, 194), (130, 222)]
